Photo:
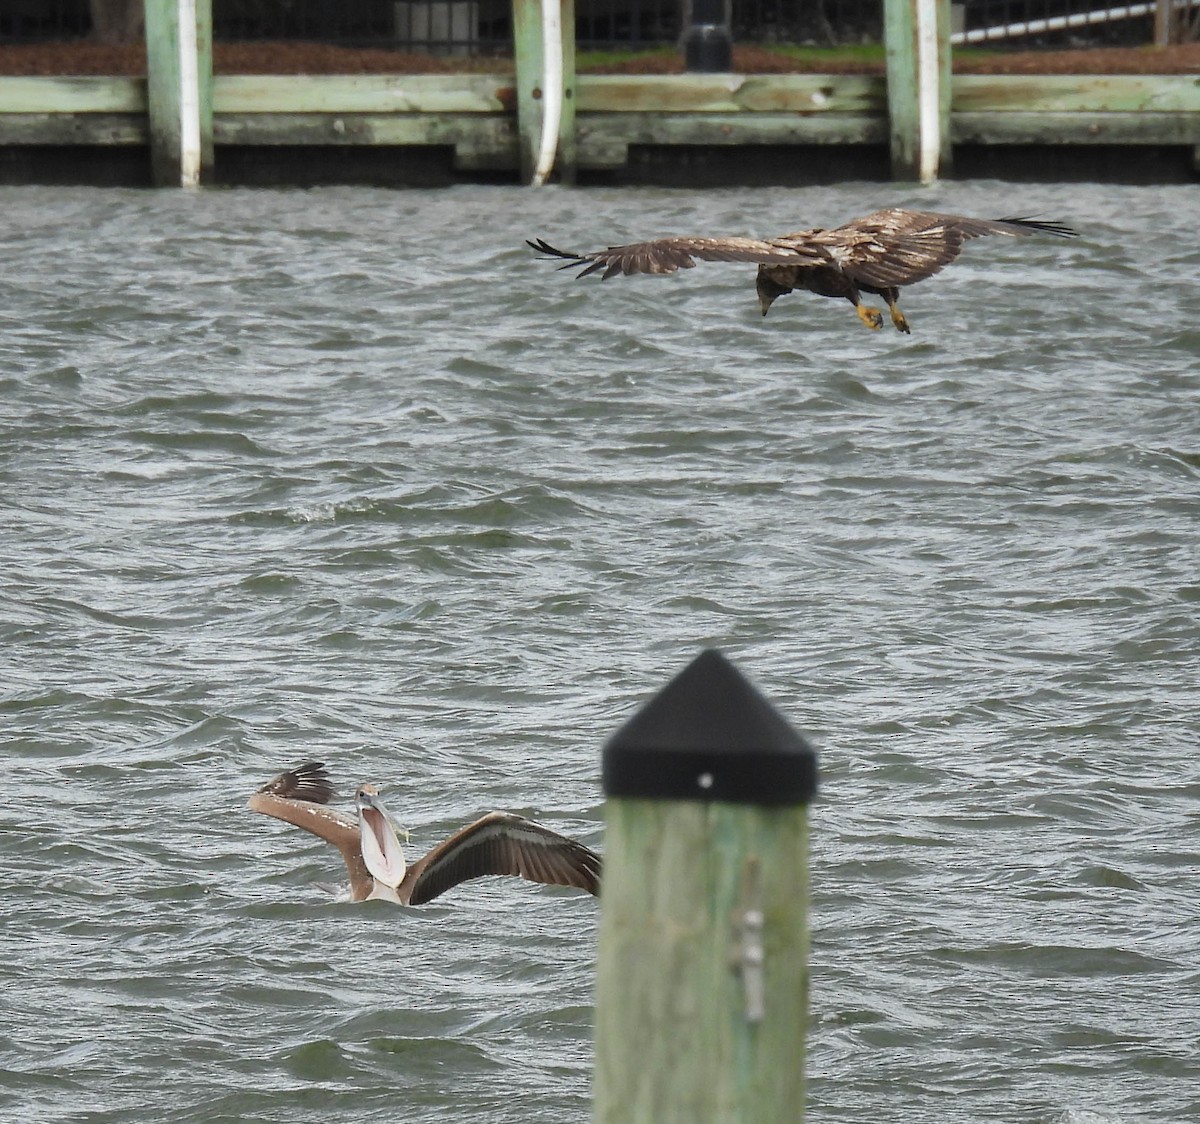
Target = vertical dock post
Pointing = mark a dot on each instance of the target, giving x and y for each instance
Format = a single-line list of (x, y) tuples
[(917, 38), (529, 50), (707, 40), (566, 130), (702, 979), (1164, 23), (179, 90)]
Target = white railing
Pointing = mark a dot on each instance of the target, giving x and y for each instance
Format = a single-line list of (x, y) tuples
[(1062, 23)]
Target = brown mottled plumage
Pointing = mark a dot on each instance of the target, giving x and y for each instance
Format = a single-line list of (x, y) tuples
[(498, 843), (875, 254)]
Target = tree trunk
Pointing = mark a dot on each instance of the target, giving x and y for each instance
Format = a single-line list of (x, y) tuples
[(117, 21)]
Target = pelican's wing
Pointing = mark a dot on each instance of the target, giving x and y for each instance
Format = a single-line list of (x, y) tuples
[(309, 781), (502, 843), (666, 255), (895, 247), (298, 797)]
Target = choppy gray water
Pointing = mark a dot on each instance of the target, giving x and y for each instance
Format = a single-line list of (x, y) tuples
[(347, 474)]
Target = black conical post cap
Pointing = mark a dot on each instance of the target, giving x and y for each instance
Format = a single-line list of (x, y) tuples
[(709, 735)]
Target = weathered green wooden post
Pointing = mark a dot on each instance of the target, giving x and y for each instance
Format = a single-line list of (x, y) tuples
[(702, 982), (566, 132), (179, 90), (917, 41), (528, 48)]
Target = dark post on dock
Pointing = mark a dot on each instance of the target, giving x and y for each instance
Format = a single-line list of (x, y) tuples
[(707, 41), (702, 979)]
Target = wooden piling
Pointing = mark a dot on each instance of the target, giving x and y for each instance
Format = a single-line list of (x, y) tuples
[(179, 90), (567, 156), (917, 44), (529, 58), (702, 980)]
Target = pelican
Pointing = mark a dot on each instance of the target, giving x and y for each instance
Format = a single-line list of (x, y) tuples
[(498, 843)]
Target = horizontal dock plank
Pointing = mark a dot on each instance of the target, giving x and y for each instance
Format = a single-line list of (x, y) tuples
[(492, 93), (731, 93), (475, 113), (364, 93), (1080, 93), (479, 141), (73, 128), (1075, 128), (82, 94), (604, 138), (353, 128)]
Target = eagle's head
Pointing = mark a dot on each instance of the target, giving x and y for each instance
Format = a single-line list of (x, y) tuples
[(770, 284)]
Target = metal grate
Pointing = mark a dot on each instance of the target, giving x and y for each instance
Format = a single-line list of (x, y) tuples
[(36, 21), (658, 23), (485, 26), (821, 23)]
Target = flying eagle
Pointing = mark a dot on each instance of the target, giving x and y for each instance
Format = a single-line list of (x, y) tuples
[(875, 254)]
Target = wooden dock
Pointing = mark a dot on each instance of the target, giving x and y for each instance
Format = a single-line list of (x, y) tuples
[(489, 122)]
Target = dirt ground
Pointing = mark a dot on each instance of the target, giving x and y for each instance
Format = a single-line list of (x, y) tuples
[(81, 57)]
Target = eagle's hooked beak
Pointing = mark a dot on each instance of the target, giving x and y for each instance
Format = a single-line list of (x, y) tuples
[(768, 289), (377, 837)]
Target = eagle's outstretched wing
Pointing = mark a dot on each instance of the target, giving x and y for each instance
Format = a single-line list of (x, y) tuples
[(895, 247), (887, 248), (666, 255)]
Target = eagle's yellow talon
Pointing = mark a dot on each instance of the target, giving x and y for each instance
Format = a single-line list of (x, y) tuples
[(872, 317), (898, 318)]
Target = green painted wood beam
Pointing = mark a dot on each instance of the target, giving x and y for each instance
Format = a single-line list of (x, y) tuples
[(1086, 93), (179, 89), (72, 95), (357, 128), (527, 53), (732, 93), (204, 84), (604, 138), (483, 142), (73, 128), (899, 33), (917, 47), (567, 160), (945, 69), (530, 65), (365, 93), (441, 93), (480, 142), (1039, 128), (496, 93)]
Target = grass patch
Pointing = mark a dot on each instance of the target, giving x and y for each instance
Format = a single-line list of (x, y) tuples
[(816, 56), (594, 60)]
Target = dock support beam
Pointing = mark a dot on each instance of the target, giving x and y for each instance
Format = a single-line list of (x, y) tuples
[(702, 973), (917, 37), (179, 90), (528, 47)]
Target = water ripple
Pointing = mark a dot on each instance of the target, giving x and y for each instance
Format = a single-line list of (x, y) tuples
[(285, 478)]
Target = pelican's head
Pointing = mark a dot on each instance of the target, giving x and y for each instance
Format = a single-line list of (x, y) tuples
[(377, 837)]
